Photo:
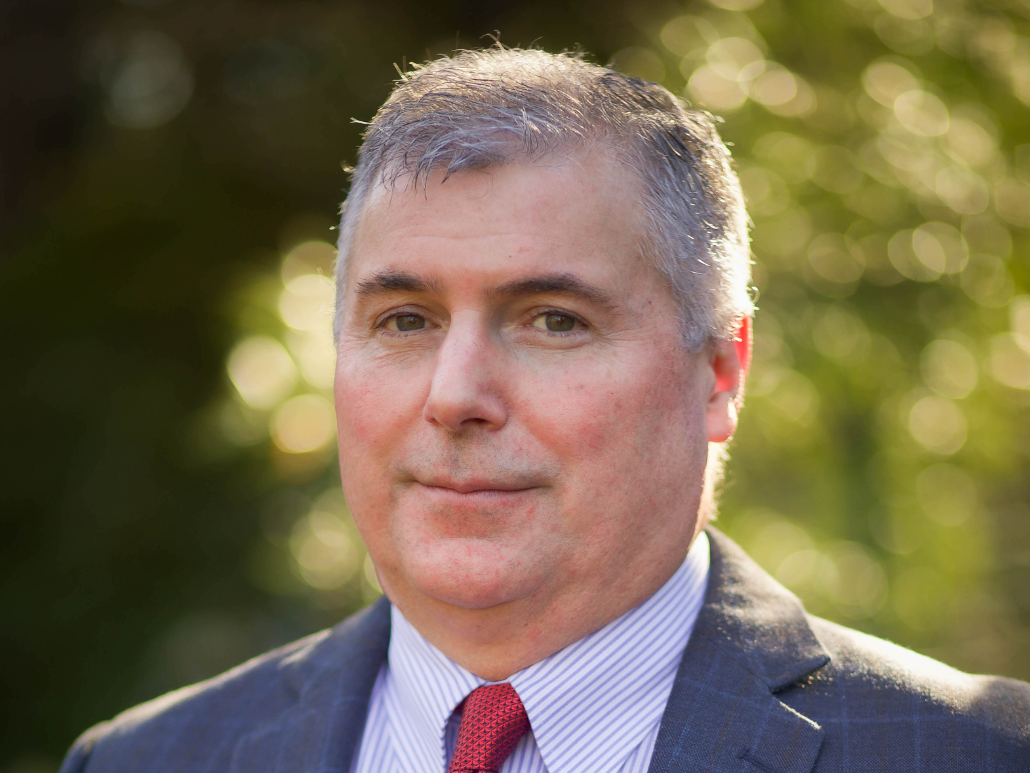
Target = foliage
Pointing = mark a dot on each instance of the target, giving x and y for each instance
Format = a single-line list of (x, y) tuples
[(880, 468)]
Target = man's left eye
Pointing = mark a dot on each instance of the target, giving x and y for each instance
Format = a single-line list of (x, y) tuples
[(554, 322), (406, 323)]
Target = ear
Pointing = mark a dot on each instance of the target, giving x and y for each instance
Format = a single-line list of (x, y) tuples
[(729, 361)]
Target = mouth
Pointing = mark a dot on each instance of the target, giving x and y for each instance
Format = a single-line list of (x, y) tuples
[(474, 488)]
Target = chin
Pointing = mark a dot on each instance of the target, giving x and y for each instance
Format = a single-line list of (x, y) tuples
[(471, 575)]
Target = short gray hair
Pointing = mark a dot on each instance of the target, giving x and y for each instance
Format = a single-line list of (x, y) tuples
[(485, 108)]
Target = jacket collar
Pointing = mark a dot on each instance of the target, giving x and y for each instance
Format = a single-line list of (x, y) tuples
[(751, 640)]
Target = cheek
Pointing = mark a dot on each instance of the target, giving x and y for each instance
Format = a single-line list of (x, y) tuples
[(373, 400), (630, 410), (368, 421), (373, 409), (629, 440), (358, 409)]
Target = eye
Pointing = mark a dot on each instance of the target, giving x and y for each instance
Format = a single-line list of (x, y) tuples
[(405, 323), (556, 322)]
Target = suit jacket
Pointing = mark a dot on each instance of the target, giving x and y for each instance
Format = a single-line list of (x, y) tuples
[(763, 687)]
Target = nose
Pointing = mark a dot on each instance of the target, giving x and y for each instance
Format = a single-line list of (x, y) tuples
[(464, 393)]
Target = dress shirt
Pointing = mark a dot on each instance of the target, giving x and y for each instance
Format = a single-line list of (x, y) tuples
[(593, 706)]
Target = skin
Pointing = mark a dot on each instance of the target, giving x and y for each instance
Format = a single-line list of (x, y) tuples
[(522, 437)]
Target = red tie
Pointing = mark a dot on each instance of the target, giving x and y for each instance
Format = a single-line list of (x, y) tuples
[(492, 722)]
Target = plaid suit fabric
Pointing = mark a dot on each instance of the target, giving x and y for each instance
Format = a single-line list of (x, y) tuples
[(290, 709), (762, 687)]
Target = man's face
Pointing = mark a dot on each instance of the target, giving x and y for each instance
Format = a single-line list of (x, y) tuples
[(518, 421)]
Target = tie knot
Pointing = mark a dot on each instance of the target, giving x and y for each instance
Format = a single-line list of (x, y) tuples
[(492, 722)]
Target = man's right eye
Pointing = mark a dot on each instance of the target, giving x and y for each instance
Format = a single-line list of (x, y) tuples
[(405, 323)]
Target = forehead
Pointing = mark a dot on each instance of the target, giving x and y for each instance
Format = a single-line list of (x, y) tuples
[(583, 213)]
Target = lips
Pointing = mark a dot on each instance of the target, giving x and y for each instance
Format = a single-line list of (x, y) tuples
[(447, 477), (475, 486)]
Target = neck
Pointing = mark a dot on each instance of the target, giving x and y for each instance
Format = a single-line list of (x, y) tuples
[(497, 642)]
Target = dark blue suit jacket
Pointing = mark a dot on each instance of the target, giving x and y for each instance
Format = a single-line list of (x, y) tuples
[(762, 686)]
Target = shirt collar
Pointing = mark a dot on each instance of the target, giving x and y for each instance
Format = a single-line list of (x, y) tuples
[(589, 705), (423, 689)]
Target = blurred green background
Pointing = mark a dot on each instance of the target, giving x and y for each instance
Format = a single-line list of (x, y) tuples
[(171, 170)]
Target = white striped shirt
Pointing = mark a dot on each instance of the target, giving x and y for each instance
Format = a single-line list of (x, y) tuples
[(593, 706)]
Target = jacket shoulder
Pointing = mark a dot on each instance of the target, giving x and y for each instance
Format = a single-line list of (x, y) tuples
[(253, 692), (881, 682), (198, 728), (863, 703)]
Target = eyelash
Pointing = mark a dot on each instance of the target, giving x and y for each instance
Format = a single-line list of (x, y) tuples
[(381, 323)]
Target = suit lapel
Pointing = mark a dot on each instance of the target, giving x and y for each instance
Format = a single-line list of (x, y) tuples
[(333, 679), (751, 639)]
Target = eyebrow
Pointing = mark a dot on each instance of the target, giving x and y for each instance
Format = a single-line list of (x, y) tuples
[(566, 284), (390, 281)]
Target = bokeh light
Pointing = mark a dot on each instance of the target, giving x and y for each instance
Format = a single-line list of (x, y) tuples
[(262, 371), (147, 78), (937, 424), (303, 424), (325, 549), (267, 371)]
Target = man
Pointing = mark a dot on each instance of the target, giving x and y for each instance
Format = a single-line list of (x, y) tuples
[(543, 328)]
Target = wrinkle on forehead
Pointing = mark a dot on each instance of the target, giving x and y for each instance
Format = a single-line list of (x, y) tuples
[(585, 205), (604, 169), (597, 157)]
